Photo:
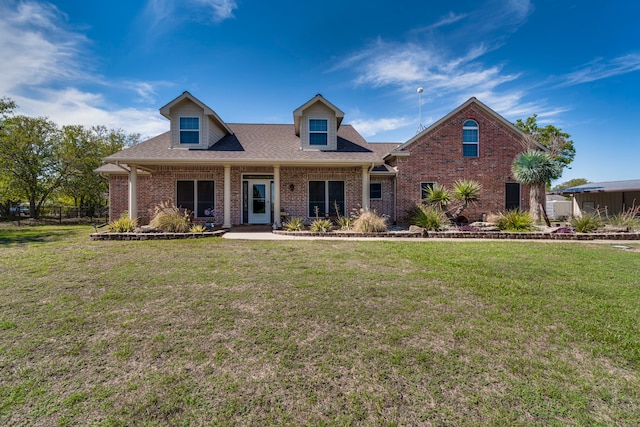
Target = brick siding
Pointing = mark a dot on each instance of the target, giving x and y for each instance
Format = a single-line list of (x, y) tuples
[(437, 157)]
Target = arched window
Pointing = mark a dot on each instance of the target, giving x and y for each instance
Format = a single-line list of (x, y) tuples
[(470, 139)]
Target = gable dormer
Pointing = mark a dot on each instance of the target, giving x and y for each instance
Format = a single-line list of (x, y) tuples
[(193, 124), (316, 123)]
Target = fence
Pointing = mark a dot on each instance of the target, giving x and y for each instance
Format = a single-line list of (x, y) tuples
[(61, 213)]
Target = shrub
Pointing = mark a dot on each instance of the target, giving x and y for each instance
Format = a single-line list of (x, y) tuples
[(428, 217), (294, 224), (198, 228), (369, 222), (345, 222), (515, 220), (321, 225), (629, 218), (587, 223), (123, 224), (170, 219)]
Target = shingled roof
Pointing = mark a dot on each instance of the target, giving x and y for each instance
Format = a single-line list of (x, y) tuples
[(264, 144)]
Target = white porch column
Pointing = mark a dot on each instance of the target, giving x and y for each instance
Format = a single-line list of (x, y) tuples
[(133, 192), (227, 197), (365, 187), (276, 196)]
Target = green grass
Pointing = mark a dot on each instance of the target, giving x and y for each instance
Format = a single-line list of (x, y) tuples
[(227, 332)]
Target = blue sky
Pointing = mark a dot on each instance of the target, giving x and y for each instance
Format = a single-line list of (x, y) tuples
[(574, 63)]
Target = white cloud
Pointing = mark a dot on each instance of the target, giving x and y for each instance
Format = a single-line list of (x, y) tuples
[(165, 14), (44, 66), (220, 9), (601, 69), (374, 126), (34, 46)]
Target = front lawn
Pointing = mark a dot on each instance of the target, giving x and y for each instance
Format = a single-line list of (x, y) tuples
[(227, 332)]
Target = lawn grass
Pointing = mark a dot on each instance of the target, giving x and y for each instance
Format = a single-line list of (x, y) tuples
[(227, 332)]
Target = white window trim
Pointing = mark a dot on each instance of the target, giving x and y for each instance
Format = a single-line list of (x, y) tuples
[(477, 143), (199, 130), (326, 132)]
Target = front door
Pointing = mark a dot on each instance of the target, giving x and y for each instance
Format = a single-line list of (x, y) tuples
[(259, 202)]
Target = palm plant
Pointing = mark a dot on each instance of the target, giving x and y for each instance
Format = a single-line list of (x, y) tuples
[(534, 168), (466, 191), (438, 196)]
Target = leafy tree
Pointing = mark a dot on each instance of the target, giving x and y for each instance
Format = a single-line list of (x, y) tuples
[(558, 143), (8, 195), (84, 148), (534, 168), (571, 183), (30, 157), (6, 108)]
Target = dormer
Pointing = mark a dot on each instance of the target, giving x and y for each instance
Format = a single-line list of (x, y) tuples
[(193, 124), (316, 123)]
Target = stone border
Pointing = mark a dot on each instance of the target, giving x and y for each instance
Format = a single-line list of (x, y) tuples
[(532, 235), (394, 234), (470, 235), (155, 236)]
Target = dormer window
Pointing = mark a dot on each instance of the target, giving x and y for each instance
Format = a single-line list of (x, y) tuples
[(318, 132), (189, 130), (470, 139)]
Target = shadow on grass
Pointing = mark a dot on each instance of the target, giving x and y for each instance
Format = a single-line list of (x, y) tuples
[(16, 235)]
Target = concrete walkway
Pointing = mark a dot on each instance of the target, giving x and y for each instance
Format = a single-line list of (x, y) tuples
[(268, 235)]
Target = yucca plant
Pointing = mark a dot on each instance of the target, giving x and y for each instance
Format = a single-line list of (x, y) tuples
[(321, 225), (428, 217), (466, 191), (170, 219), (345, 222), (438, 196), (198, 228), (369, 222), (294, 224), (515, 220), (587, 222), (124, 224)]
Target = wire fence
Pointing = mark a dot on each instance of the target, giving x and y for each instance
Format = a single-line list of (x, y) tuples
[(61, 214)]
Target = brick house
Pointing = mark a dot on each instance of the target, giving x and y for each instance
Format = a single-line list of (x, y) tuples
[(231, 174)]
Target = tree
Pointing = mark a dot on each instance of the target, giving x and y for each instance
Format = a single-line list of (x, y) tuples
[(558, 143), (534, 168), (464, 191), (571, 183), (84, 148), (30, 158)]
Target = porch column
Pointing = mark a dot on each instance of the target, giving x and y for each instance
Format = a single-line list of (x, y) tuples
[(227, 197), (365, 187), (133, 192), (276, 196)]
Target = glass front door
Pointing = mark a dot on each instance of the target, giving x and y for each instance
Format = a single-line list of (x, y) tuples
[(259, 202)]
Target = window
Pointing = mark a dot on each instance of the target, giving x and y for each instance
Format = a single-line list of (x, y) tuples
[(325, 196), (318, 132), (196, 196), (470, 139), (424, 189), (512, 196), (375, 191), (189, 130)]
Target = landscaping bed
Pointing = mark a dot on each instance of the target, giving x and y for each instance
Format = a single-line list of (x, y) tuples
[(155, 236)]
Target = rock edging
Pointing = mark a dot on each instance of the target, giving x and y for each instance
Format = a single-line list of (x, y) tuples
[(155, 236)]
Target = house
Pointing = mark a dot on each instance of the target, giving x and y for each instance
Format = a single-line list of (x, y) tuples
[(612, 197), (231, 174)]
